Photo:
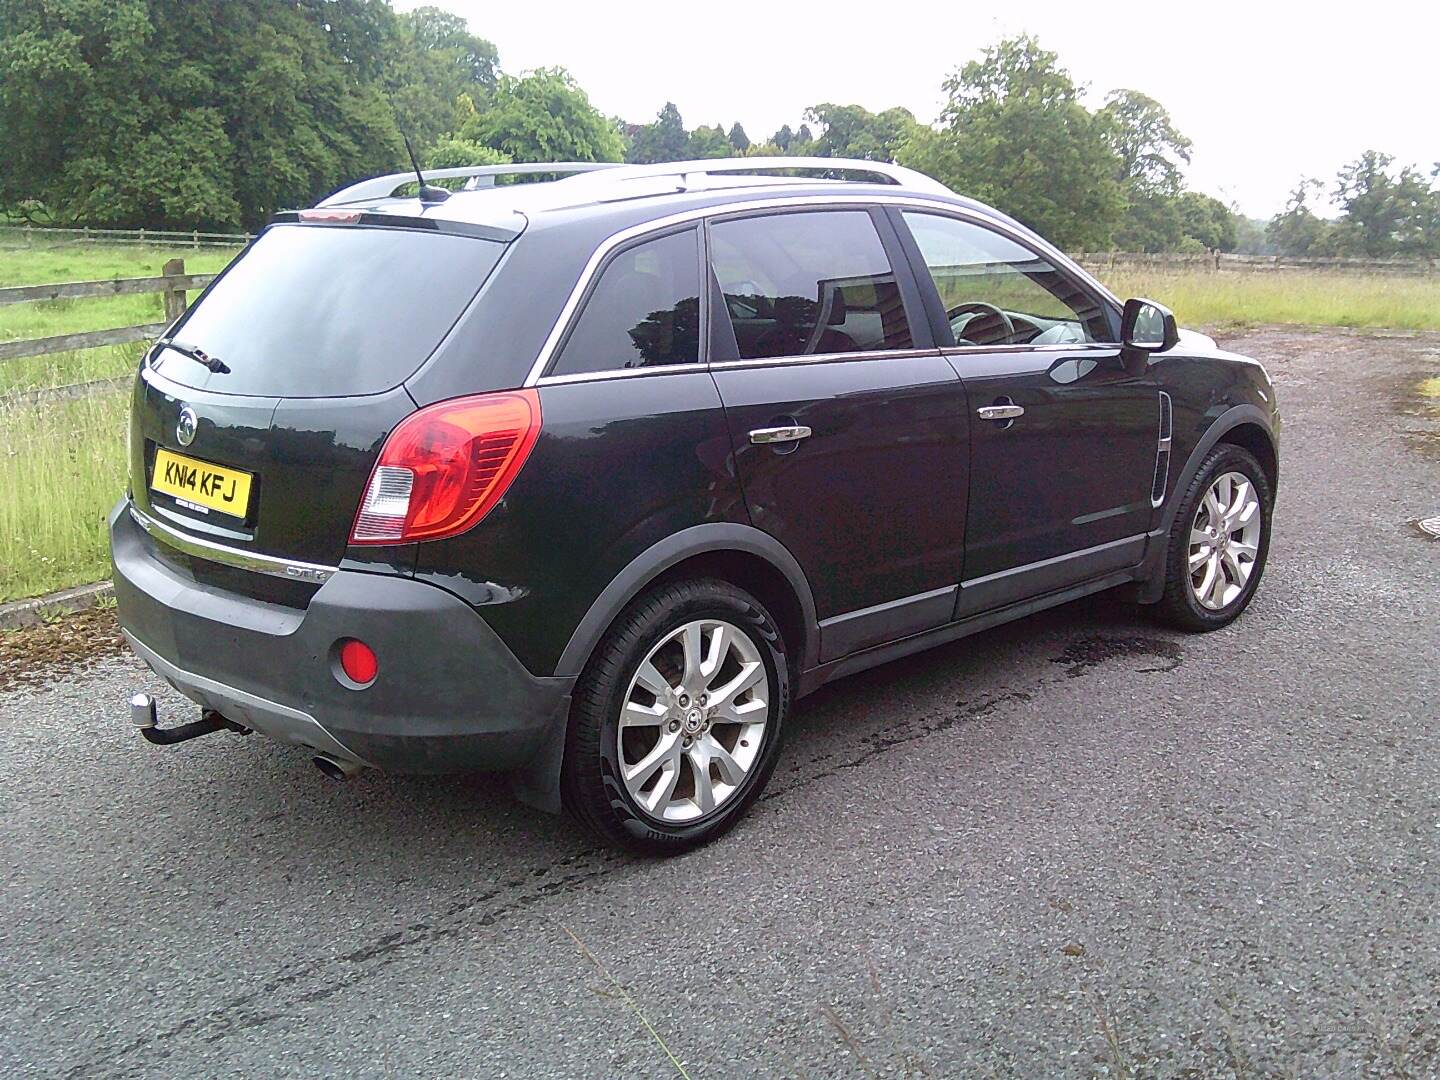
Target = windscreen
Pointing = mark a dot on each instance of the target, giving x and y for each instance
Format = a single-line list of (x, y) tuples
[(329, 311)]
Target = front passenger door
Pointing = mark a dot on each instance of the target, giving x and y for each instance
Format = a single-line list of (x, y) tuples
[(1063, 439)]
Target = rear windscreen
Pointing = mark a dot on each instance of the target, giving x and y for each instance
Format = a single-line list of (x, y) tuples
[(325, 311)]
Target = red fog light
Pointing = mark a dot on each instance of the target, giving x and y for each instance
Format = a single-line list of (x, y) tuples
[(358, 661)]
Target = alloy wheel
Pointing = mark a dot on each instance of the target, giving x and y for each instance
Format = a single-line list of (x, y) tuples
[(693, 720), (1224, 541)]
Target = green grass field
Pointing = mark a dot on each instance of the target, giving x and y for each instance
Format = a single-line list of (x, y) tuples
[(1321, 298), (62, 466), (62, 463)]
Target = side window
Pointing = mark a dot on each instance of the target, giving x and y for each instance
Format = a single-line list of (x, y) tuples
[(806, 283), (643, 312), (999, 292)]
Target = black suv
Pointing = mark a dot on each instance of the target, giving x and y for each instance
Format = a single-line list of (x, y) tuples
[(587, 479)]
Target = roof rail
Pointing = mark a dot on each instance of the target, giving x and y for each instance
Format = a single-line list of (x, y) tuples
[(692, 175), (383, 187)]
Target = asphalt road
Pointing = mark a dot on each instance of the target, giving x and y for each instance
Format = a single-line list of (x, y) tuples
[(1076, 845)]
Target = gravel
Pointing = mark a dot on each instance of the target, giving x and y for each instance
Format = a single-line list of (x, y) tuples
[(1077, 845)]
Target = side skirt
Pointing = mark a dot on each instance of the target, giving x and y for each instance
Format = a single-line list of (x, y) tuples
[(817, 677)]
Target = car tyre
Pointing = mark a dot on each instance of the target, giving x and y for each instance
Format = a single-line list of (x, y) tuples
[(675, 724), (1218, 542)]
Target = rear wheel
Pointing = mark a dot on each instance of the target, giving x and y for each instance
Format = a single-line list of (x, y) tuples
[(676, 721), (1219, 542)]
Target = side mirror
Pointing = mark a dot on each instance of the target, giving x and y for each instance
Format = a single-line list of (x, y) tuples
[(1145, 327)]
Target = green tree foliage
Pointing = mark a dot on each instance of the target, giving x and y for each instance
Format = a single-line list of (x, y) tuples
[(1207, 220), (739, 141), (432, 61), (543, 116), (665, 139), (1150, 153), (204, 113), (158, 112), (452, 152), (1015, 134), (1383, 213), (850, 131), (709, 142), (782, 139), (1298, 230)]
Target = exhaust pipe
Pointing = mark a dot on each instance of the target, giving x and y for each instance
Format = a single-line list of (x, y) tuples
[(336, 768)]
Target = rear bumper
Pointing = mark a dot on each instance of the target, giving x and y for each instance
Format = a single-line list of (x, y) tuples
[(449, 696)]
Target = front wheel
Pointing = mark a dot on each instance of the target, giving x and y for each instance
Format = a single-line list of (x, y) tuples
[(675, 725), (1219, 541)]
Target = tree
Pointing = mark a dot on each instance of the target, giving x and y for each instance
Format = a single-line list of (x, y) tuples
[(850, 131), (1150, 223), (1149, 151), (1207, 220), (803, 142), (1418, 204), (783, 138), (739, 141), (1371, 212), (173, 113), (451, 152), (708, 142), (1014, 133), (663, 140), (543, 116), (433, 60), (1298, 231)]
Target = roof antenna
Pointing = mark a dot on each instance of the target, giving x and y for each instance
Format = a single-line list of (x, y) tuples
[(428, 192)]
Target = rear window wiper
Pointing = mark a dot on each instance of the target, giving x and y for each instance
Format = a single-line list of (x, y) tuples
[(190, 352)]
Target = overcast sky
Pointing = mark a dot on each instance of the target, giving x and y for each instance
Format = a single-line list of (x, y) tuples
[(1266, 91)]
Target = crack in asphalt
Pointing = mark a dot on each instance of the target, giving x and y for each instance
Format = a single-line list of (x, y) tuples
[(338, 973)]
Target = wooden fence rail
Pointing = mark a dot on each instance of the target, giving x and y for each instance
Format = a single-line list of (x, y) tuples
[(29, 235), (1225, 262), (173, 284)]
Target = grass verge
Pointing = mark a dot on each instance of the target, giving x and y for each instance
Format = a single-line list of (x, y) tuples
[(1306, 298), (62, 466)]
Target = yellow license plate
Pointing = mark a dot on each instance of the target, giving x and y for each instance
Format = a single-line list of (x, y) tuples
[(201, 485)]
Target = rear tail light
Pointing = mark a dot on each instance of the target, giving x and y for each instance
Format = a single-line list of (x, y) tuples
[(444, 467)]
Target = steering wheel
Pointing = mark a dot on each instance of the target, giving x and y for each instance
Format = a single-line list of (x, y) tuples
[(979, 307)]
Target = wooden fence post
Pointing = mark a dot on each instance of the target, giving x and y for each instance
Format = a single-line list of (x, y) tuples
[(174, 298)]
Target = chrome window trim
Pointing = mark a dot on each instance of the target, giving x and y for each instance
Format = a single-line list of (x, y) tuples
[(618, 373), (825, 358), (799, 203), (1077, 346), (289, 569)]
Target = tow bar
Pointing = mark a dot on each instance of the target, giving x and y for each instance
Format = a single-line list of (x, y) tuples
[(142, 715)]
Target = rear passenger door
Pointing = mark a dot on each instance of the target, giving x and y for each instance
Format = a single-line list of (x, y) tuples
[(848, 425)]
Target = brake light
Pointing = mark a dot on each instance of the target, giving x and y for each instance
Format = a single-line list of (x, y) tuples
[(335, 217), (443, 468)]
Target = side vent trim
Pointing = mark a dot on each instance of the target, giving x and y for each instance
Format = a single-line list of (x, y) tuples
[(1162, 452)]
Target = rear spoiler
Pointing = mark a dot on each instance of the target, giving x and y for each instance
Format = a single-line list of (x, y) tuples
[(369, 217)]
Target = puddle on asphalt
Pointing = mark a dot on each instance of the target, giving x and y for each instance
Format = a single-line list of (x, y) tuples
[(1090, 652)]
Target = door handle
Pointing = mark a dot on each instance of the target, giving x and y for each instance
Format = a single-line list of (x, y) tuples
[(788, 434), (1000, 412)]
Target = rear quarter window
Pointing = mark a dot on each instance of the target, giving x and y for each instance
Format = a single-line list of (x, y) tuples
[(327, 311), (643, 312)]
